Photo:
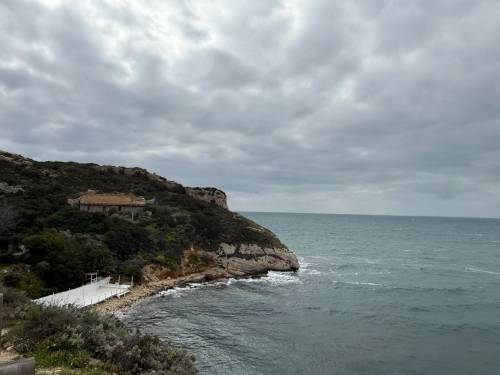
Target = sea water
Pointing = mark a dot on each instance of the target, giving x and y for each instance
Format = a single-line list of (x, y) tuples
[(374, 295)]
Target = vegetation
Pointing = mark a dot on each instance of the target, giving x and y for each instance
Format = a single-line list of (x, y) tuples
[(85, 342), (49, 245)]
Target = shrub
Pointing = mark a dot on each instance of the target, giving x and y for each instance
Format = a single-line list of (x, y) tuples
[(72, 338), (12, 279), (132, 269), (65, 268), (126, 239)]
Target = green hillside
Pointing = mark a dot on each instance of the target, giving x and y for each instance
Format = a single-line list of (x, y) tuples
[(47, 246)]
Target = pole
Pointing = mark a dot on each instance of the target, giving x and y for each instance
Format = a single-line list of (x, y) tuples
[(1, 313)]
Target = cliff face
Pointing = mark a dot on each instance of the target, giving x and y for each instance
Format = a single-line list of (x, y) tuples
[(56, 244), (245, 259), (209, 195)]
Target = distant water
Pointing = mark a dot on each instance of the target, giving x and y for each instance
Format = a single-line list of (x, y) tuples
[(374, 295)]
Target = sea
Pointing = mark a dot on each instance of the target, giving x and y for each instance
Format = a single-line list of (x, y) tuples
[(374, 295)]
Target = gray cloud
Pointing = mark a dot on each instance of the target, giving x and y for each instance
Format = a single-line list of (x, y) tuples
[(344, 106)]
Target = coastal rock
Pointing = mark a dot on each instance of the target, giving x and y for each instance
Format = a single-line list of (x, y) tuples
[(208, 194), (251, 259)]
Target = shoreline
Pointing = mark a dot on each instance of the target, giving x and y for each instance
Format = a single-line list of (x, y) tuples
[(142, 291)]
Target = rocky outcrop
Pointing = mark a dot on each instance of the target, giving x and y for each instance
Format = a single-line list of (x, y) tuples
[(251, 259), (239, 260), (208, 194), (8, 189), (15, 159)]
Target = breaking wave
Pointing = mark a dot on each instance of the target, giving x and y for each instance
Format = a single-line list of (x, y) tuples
[(478, 270)]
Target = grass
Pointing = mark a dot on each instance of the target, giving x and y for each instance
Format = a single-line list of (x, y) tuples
[(52, 359)]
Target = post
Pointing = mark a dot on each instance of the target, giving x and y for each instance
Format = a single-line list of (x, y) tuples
[(1, 313)]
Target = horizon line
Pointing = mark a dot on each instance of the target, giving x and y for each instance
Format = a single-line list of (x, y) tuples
[(352, 214)]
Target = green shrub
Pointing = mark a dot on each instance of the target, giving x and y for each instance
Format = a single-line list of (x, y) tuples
[(56, 353), (132, 268), (126, 239), (74, 338), (11, 279), (63, 255)]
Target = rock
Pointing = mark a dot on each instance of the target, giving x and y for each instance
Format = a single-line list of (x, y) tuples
[(251, 259), (16, 159), (9, 189), (208, 194)]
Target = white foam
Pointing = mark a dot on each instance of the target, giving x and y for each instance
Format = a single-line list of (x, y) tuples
[(478, 270), (303, 265), (355, 283), (281, 278), (178, 291), (273, 278), (310, 272)]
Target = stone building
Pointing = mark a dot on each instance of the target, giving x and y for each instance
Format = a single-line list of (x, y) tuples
[(108, 203)]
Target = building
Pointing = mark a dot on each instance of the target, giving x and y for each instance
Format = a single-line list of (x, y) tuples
[(108, 203)]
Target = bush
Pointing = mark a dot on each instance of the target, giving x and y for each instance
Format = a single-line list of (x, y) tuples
[(12, 279), (126, 239), (132, 269), (62, 260), (70, 337), (63, 255), (13, 301)]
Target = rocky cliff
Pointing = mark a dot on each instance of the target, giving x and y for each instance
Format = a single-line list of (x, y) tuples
[(51, 245), (209, 194)]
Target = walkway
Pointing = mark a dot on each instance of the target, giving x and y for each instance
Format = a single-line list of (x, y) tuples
[(86, 295)]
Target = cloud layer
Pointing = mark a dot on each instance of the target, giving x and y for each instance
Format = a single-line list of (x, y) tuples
[(388, 106)]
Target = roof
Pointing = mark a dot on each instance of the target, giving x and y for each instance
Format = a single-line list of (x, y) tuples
[(112, 200)]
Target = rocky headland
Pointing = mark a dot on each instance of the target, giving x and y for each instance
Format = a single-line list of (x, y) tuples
[(131, 225)]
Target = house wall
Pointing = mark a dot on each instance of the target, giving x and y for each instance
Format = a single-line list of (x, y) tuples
[(106, 209)]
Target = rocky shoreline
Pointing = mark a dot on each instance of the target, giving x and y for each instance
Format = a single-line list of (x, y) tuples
[(151, 288), (232, 261)]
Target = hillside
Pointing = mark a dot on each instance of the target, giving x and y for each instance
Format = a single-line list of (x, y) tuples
[(47, 245)]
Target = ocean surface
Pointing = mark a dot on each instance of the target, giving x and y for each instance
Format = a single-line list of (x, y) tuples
[(374, 295)]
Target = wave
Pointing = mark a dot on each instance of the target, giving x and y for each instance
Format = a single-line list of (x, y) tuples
[(310, 272), (478, 270), (421, 289), (356, 283), (273, 278), (178, 291), (280, 278)]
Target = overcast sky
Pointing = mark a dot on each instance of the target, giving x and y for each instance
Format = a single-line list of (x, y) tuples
[(374, 106)]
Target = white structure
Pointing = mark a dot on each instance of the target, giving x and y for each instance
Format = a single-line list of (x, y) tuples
[(86, 295)]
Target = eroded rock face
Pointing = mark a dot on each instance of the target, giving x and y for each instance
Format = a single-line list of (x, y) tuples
[(251, 259), (209, 194)]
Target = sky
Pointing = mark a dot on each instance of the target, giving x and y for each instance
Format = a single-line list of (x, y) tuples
[(371, 107)]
